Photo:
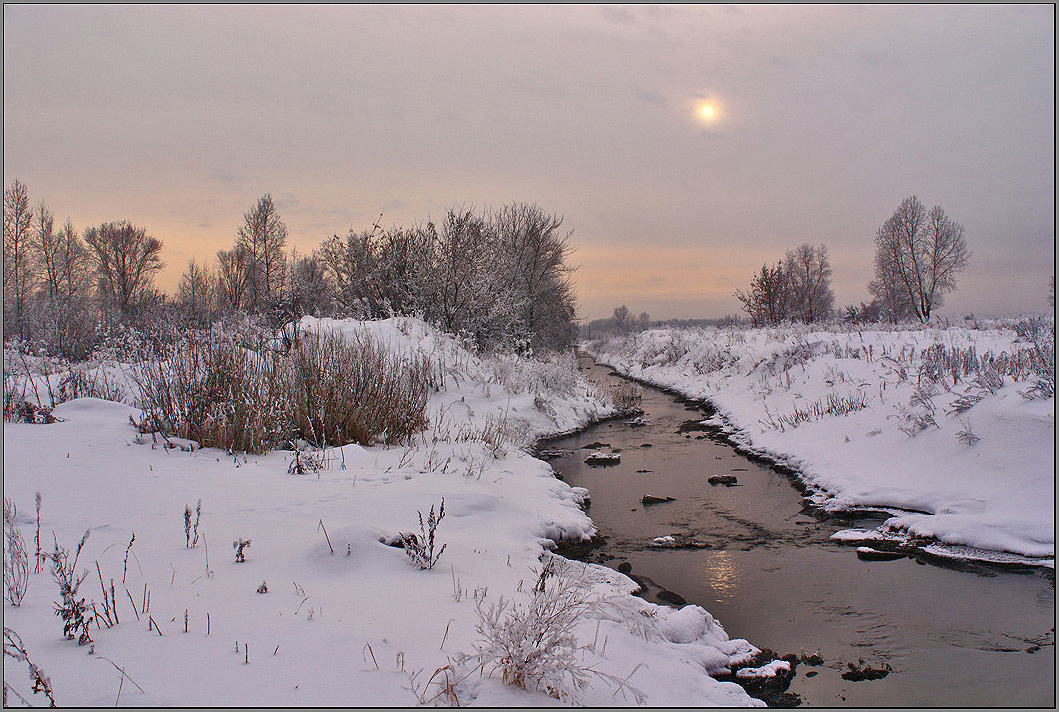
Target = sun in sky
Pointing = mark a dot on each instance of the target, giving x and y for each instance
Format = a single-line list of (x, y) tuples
[(707, 111)]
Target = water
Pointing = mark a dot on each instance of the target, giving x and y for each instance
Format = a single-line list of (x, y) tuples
[(953, 637)]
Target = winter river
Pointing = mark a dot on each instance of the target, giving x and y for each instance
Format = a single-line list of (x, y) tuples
[(969, 637)]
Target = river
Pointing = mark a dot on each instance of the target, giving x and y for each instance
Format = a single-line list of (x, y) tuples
[(764, 566)]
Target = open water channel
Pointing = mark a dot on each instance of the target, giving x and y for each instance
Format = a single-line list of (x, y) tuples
[(765, 567)]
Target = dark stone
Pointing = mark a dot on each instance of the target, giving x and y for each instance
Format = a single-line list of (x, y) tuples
[(672, 598), (860, 671), (869, 554), (723, 480), (692, 425), (814, 659), (624, 567), (595, 446), (784, 700), (647, 445), (812, 673), (651, 499)]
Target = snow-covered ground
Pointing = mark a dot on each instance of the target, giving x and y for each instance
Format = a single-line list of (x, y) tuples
[(929, 424), (323, 612)]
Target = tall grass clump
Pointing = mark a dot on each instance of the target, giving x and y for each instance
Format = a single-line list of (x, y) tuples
[(213, 390), (353, 390), (325, 389)]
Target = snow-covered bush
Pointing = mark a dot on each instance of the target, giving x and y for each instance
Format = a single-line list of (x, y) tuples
[(533, 645), (325, 388), (72, 610), (16, 560), (420, 547), (352, 390)]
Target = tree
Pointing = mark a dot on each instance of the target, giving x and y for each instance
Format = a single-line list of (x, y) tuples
[(809, 280), (264, 237), (768, 300), (233, 275), (621, 317), (17, 269), (918, 254), (126, 260), (196, 293), (62, 313)]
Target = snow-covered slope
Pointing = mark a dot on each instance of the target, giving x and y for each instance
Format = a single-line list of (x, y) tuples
[(323, 612), (877, 419)]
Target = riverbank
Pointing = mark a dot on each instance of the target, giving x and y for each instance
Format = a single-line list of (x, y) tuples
[(321, 609), (766, 567), (928, 426)]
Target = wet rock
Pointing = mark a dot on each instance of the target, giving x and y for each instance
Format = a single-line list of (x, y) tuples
[(647, 445), (638, 422), (595, 446), (727, 480), (672, 598), (692, 425), (602, 459), (860, 671), (624, 567), (651, 499), (644, 471), (812, 673), (866, 553), (813, 659), (551, 454)]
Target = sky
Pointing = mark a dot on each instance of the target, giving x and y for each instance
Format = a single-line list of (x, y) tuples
[(684, 145)]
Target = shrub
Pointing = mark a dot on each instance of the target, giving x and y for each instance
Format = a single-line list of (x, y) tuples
[(16, 560), (420, 549), (324, 389), (71, 609), (533, 645)]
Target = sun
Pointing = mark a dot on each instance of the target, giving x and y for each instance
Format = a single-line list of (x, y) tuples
[(707, 111)]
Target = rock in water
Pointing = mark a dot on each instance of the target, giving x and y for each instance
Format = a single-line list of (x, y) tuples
[(728, 480)]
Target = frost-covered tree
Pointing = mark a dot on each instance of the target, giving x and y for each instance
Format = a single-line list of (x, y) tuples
[(197, 293), (18, 273), (62, 308), (768, 299), (263, 236), (809, 282), (126, 260), (918, 255), (233, 275)]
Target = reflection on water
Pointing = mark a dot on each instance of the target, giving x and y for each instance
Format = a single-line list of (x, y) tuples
[(722, 574), (770, 574)]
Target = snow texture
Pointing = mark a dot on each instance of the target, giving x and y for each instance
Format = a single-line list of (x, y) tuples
[(346, 619), (840, 408)]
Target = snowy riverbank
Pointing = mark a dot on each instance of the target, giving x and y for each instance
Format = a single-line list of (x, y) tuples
[(950, 430), (323, 612)]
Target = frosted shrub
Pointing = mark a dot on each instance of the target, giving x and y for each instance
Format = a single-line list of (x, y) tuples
[(72, 610), (16, 560), (325, 389), (14, 648), (420, 548), (533, 645), (354, 391)]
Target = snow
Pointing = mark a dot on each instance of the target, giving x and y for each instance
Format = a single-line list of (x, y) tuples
[(768, 670), (996, 494), (361, 625)]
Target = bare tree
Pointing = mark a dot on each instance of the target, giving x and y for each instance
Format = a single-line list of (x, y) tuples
[(809, 280), (918, 254), (62, 313), (17, 268), (768, 299), (126, 260), (233, 275), (264, 237), (621, 317), (196, 292)]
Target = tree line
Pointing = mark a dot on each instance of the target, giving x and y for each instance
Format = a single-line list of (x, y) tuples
[(918, 255), (500, 278)]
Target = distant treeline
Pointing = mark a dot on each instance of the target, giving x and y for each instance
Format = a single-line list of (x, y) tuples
[(498, 278)]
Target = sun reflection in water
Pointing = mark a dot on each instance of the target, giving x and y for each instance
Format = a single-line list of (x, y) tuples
[(722, 574)]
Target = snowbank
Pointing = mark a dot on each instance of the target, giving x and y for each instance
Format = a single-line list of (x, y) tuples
[(913, 421), (323, 612)]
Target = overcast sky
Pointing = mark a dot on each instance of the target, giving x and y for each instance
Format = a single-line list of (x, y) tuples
[(820, 120)]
